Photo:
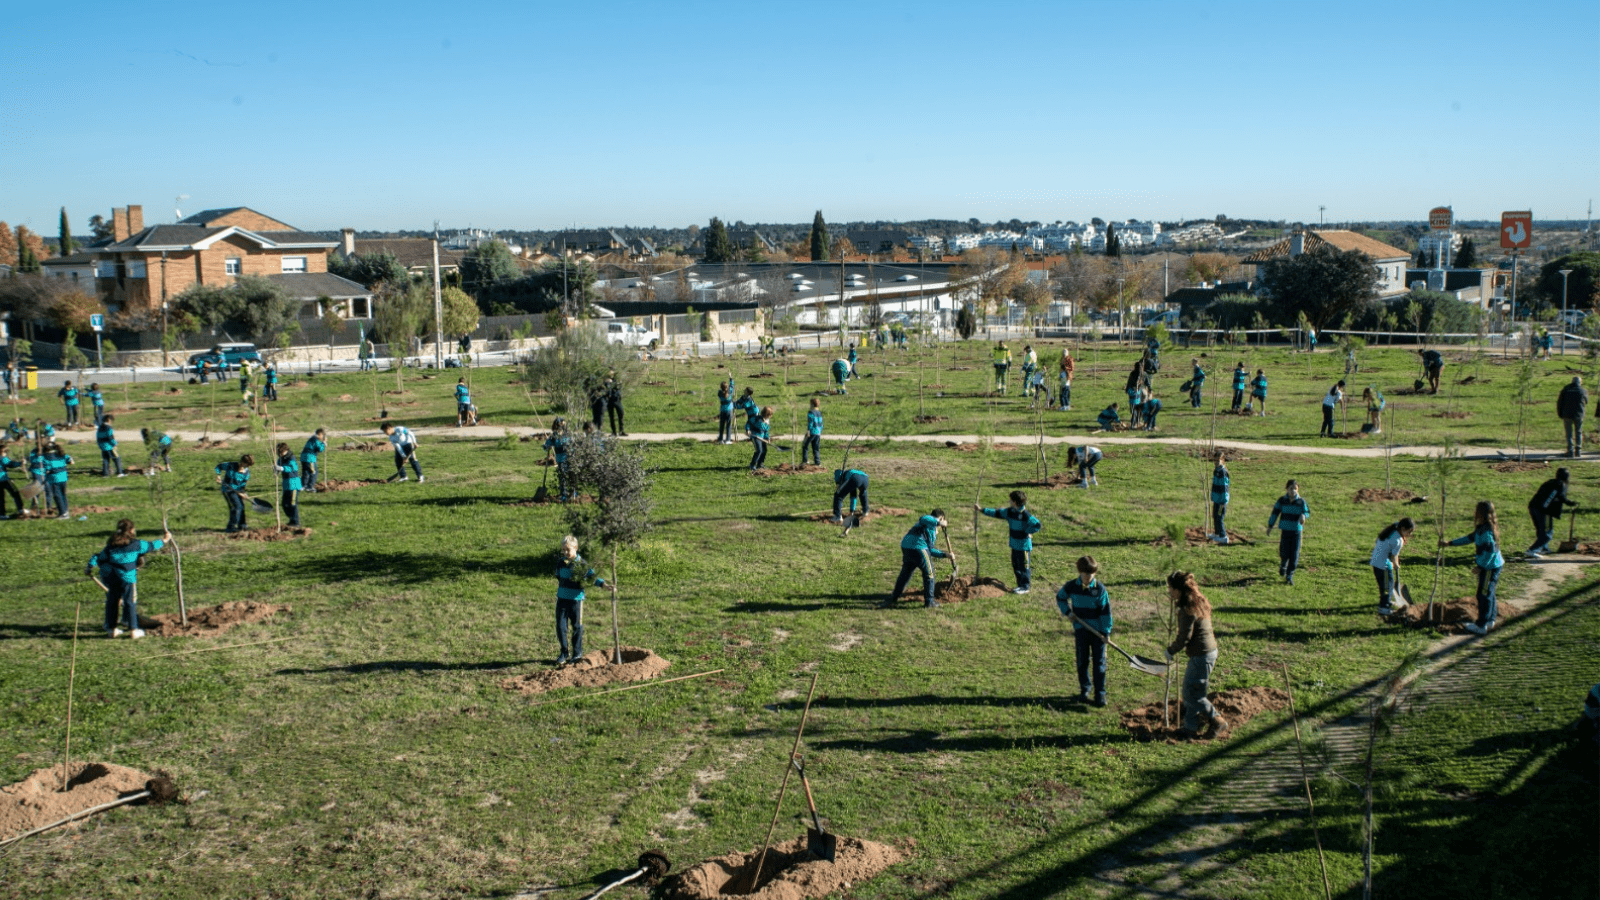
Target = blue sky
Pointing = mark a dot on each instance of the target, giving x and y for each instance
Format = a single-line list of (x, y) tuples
[(543, 115)]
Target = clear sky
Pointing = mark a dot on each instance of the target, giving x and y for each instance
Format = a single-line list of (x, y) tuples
[(543, 115)]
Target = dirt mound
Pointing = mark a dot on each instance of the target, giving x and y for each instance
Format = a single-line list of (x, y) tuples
[(299, 384), (173, 390), (653, 383), (349, 484), (212, 620), (878, 512), (96, 509), (365, 445), (928, 420), (790, 871), (345, 398), (1449, 616), (1238, 707), (593, 670), (787, 469), (1195, 536), (1057, 481), (204, 444), (266, 534), (962, 588), (38, 799), (1586, 548), (1524, 466), (973, 448), (1378, 495), (1450, 415)]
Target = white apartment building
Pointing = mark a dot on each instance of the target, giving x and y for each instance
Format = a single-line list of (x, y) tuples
[(1433, 246)]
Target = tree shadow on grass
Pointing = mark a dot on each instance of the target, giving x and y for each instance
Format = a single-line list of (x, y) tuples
[(399, 567), (764, 606), (835, 701), (54, 630), (378, 667), (930, 741)]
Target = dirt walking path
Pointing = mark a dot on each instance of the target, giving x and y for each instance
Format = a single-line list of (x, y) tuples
[(496, 432)]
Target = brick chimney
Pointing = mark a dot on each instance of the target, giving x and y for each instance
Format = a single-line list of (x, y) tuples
[(119, 223), (135, 219), (347, 240)]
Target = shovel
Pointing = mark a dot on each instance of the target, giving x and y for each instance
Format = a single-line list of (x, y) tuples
[(821, 844), (542, 495), (652, 865), (1570, 545), (1141, 663)]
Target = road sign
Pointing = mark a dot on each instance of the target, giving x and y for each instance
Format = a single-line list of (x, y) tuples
[(97, 322), (1440, 218), (1516, 230)]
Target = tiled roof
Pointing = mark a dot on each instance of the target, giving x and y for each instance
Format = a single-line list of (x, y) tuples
[(311, 285), (189, 235), (1337, 239), (208, 215), (413, 253)]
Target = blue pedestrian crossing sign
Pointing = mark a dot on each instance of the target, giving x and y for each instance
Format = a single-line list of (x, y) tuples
[(97, 321)]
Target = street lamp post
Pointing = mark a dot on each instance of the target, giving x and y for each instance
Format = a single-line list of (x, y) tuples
[(1564, 274)]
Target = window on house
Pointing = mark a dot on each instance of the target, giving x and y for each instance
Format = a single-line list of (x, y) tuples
[(233, 266), (294, 264), (105, 268), (136, 268)]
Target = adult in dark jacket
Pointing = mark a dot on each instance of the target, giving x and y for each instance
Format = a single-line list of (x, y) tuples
[(1545, 508), (597, 404), (1198, 642), (1571, 404), (614, 404)]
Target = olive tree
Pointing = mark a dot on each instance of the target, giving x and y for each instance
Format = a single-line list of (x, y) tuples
[(615, 474)]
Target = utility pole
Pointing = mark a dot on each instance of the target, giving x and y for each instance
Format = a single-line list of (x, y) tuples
[(164, 360), (842, 307), (1320, 211), (438, 310)]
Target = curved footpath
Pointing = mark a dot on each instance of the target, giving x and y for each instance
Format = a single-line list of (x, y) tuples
[(495, 432)]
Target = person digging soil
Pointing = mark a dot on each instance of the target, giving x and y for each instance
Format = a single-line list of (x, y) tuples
[(1197, 640)]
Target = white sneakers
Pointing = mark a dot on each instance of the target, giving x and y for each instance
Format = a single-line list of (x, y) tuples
[(119, 631), (137, 633), (421, 479)]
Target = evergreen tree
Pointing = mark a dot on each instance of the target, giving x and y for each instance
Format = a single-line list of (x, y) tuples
[(718, 248), (27, 262), (1113, 243), (65, 242), (819, 238), (1467, 256)]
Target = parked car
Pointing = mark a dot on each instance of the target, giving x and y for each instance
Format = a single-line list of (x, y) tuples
[(630, 335), (231, 354)]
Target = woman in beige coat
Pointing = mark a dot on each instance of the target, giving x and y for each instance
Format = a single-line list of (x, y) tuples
[(1195, 638)]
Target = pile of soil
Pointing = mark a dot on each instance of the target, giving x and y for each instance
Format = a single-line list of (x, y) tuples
[(1195, 536), (1448, 617), (299, 384), (790, 871), (787, 469), (878, 512), (365, 445), (349, 484), (38, 799), (173, 390), (1057, 481), (653, 383), (268, 534), (1524, 466), (95, 509), (1378, 495), (1238, 707), (593, 670), (973, 448), (1587, 549), (1449, 415), (212, 620), (928, 420), (346, 398), (204, 444), (962, 588)]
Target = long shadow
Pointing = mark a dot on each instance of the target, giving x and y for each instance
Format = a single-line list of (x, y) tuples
[(928, 741), (409, 665), (761, 606), (395, 566), (58, 631), (1240, 752), (835, 701)]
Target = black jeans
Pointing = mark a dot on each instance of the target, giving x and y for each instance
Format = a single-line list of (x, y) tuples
[(236, 516), (6, 487), (850, 492), (597, 412), (1385, 587), (615, 410), (122, 603), (1089, 648), (1238, 398), (724, 426), (758, 457), (911, 561), (1219, 516), (1545, 527), (308, 481), (291, 507), (1288, 552), (1327, 422), (107, 458), (1021, 567), (569, 620), (814, 443), (403, 453)]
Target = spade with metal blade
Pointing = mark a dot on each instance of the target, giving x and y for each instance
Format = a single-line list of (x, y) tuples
[(1142, 663), (652, 865), (542, 495), (823, 845)]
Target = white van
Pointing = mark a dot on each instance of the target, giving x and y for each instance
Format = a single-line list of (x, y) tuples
[(629, 335)]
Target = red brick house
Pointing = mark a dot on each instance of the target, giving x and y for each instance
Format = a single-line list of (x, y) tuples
[(141, 265)]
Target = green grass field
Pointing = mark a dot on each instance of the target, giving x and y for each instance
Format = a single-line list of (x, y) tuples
[(374, 754)]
